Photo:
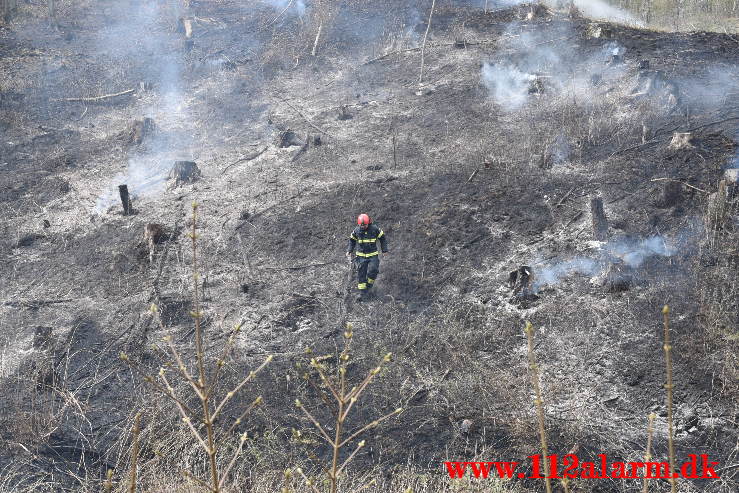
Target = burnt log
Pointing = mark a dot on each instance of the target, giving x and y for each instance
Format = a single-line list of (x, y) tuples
[(600, 221), (183, 172), (125, 200)]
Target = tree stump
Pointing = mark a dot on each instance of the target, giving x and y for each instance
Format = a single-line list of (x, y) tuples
[(183, 172), (600, 222), (344, 113), (681, 140), (184, 26), (289, 138)]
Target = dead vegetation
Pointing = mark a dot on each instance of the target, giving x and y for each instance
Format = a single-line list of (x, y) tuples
[(467, 191)]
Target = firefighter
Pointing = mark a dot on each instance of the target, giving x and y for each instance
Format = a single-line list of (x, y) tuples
[(367, 256)]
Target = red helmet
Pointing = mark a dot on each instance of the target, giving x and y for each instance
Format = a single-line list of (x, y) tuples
[(364, 220)]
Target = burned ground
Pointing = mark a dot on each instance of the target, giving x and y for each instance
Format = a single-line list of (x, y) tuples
[(466, 187)]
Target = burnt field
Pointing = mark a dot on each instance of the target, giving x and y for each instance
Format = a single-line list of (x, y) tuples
[(526, 164)]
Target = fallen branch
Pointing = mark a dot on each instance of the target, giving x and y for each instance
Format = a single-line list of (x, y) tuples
[(433, 45), (245, 159), (669, 133), (561, 201), (315, 43), (300, 267), (678, 181), (279, 15), (712, 123), (423, 45), (97, 98), (83, 114), (35, 303), (305, 117)]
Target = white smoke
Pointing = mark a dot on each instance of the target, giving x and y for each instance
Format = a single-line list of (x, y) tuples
[(292, 6), (144, 43), (631, 252), (635, 253), (507, 85), (560, 150), (550, 275), (599, 9), (546, 60)]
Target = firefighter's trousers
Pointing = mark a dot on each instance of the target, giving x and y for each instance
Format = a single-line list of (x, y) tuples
[(367, 270)]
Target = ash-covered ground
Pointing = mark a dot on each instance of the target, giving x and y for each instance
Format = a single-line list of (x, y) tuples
[(478, 152)]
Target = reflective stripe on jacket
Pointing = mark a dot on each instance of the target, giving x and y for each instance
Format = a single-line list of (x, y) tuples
[(365, 241)]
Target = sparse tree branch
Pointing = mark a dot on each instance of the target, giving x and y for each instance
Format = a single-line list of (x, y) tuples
[(365, 486), (370, 425), (187, 419), (241, 384), (309, 482), (423, 45), (315, 422), (97, 98), (360, 445), (251, 406), (233, 461), (183, 369), (202, 483)]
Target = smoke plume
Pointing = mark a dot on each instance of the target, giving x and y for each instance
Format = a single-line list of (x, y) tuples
[(292, 6), (146, 45), (632, 252)]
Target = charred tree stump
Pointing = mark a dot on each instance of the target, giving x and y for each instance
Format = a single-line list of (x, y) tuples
[(125, 200), (289, 138), (183, 172), (600, 222)]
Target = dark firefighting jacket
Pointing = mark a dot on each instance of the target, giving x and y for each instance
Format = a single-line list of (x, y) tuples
[(365, 241)]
